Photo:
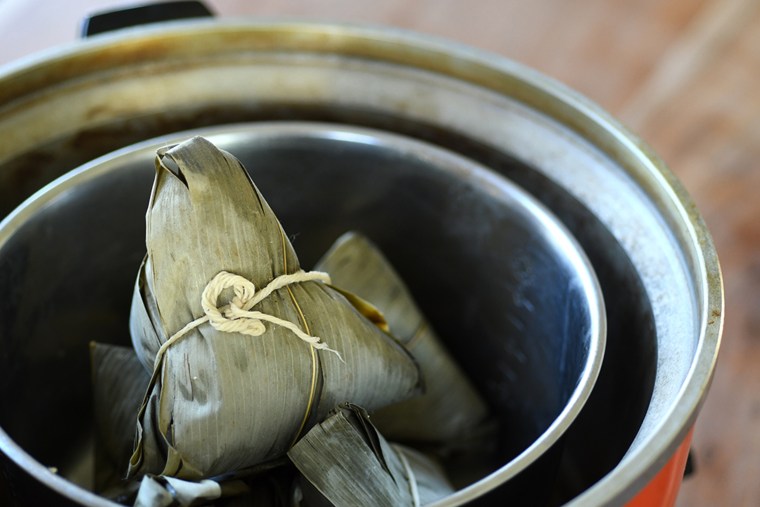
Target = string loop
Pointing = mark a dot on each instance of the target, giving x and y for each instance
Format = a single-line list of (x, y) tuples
[(237, 316)]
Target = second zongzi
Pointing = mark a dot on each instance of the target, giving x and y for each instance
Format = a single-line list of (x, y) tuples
[(451, 409)]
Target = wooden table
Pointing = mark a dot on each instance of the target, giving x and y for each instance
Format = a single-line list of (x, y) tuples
[(684, 74)]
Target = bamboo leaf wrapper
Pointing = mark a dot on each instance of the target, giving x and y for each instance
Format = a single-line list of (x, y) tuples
[(451, 409), (222, 402)]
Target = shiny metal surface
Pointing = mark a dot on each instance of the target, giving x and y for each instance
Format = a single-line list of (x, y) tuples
[(649, 247), (531, 323)]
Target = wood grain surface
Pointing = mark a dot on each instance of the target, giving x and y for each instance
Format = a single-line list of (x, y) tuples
[(683, 74)]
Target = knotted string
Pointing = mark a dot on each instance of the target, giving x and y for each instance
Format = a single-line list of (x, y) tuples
[(237, 317)]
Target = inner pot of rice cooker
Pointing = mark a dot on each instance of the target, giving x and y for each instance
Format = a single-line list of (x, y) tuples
[(649, 247), (509, 291)]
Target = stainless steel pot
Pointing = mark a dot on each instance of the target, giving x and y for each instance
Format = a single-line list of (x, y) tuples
[(650, 249)]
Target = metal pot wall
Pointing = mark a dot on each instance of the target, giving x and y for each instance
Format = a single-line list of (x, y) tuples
[(651, 251)]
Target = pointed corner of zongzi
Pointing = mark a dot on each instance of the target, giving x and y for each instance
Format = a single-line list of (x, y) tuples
[(346, 461)]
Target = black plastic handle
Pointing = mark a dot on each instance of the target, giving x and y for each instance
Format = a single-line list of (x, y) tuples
[(143, 14), (691, 464)]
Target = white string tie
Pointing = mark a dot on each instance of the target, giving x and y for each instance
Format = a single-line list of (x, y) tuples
[(237, 316)]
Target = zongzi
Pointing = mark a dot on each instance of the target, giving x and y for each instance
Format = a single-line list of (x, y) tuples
[(451, 410), (246, 350)]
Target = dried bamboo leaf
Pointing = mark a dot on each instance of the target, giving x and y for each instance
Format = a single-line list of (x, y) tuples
[(429, 475), (451, 408), (273, 489), (345, 461), (140, 323), (166, 491), (220, 402), (153, 494), (119, 384)]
